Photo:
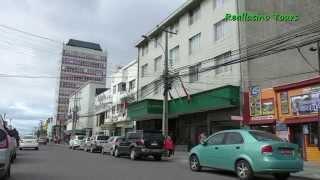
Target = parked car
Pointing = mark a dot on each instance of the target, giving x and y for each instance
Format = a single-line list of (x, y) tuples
[(247, 152), (84, 143), (96, 143), (112, 142), (12, 145), (5, 154), (29, 142), (43, 140), (141, 144), (76, 141), (87, 144)]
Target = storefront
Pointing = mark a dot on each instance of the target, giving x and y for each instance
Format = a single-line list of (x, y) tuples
[(206, 112), (263, 113), (299, 109)]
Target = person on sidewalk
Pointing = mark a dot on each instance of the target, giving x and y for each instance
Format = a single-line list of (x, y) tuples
[(169, 146), (202, 137)]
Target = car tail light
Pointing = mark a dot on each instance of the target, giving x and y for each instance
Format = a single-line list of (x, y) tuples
[(4, 143), (266, 149), (140, 142)]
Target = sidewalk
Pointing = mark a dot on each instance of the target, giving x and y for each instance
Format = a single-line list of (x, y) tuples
[(311, 170)]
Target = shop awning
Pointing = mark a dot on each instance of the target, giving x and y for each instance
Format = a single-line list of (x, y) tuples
[(262, 121), (214, 99), (301, 120)]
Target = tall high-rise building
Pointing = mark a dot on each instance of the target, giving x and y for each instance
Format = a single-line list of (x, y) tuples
[(81, 62)]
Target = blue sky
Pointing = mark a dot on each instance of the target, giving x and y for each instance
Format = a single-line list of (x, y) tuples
[(115, 24)]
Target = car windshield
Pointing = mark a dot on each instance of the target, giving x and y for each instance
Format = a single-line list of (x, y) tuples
[(264, 136), (152, 135), (102, 137), (28, 137), (80, 137)]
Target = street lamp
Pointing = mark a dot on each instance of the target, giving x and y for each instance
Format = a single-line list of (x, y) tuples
[(165, 77)]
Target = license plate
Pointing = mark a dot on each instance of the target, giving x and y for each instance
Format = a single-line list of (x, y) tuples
[(154, 144), (286, 152)]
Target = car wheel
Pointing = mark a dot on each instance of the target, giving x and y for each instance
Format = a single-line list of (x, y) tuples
[(243, 170), (20, 149), (73, 148), (116, 153), (194, 163), (37, 148), (157, 157), (282, 176), (133, 154)]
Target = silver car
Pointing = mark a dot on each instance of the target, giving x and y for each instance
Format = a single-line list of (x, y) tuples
[(5, 154), (76, 141), (29, 142), (112, 142), (96, 143)]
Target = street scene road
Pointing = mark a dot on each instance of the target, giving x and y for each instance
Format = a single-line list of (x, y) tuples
[(60, 163)]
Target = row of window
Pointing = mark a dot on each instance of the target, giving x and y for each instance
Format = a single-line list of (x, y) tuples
[(122, 87), (69, 85), (74, 61), (193, 17), (194, 70), (83, 70), (220, 31), (81, 78), (83, 55), (63, 101)]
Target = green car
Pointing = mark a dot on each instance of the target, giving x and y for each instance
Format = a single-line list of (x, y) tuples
[(247, 152)]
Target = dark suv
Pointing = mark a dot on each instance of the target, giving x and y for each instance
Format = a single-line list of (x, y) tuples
[(141, 144)]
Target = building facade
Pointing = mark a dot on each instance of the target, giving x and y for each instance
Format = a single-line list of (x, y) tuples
[(81, 111), (112, 105), (272, 75), (201, 101), (81, 62)]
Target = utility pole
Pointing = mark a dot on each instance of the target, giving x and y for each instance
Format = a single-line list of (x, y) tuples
[(166, 88), (75, 114), (166, 81)]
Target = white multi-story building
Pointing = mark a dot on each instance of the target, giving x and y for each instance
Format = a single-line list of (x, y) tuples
[(203, 39), (112, 105), (202, 34), (82, 102)]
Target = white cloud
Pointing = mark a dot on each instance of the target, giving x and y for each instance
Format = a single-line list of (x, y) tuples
[(115, 24)]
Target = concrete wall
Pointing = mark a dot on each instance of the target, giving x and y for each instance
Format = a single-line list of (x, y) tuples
[(285, 67)]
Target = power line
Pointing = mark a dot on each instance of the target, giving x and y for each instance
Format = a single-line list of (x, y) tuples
[(30, 34)]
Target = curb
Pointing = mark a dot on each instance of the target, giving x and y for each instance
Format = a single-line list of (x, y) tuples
[(305, 177)]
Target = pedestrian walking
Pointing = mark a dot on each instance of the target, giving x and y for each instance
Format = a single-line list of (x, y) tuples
[(169, 146)]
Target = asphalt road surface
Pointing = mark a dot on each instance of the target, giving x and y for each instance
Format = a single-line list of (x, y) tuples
[(60, 163)]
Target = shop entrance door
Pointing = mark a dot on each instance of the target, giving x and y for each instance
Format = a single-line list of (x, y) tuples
[(297, 136)]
